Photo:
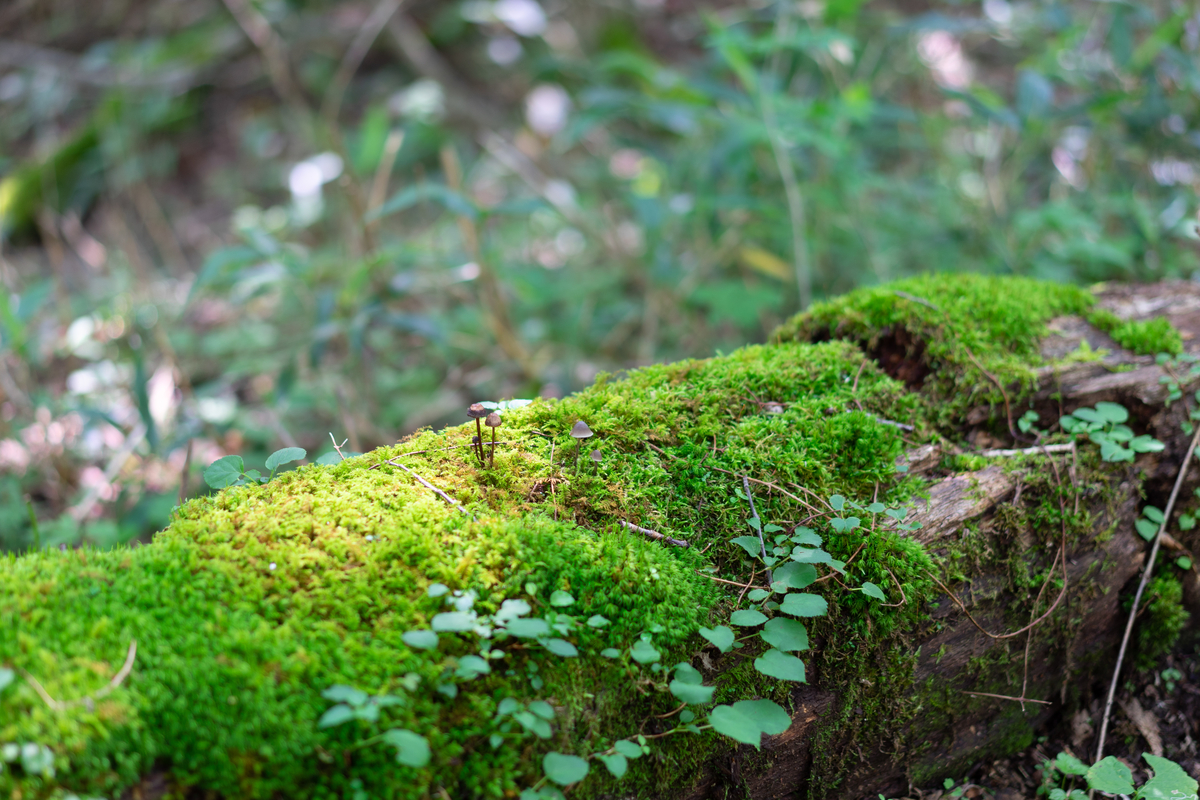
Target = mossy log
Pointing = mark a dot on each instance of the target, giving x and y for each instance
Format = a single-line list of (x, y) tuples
[(258, 598)]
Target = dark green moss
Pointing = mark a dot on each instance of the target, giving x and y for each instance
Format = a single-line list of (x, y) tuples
[(1163, 619)]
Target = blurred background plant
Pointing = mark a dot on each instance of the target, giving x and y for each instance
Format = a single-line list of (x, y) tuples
[(236, 225)]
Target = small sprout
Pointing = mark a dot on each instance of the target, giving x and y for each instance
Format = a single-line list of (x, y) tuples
[(579, 432), (493, 422), (478, 412)]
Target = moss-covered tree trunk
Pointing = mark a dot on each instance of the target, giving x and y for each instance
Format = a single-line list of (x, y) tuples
[(258, 599)]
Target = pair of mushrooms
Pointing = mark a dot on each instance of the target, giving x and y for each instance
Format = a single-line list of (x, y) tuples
[(476, 411), (492, 420)]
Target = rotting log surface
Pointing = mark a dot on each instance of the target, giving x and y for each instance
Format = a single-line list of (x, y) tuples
[(233, 653), (1061, 670)]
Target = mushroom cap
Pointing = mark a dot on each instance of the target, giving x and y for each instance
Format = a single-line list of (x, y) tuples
[(474, 439), (596, 456), (493, 420), (581, 430), (477, 411)]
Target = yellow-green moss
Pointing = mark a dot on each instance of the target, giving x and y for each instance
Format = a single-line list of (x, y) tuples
[(1147, 337)]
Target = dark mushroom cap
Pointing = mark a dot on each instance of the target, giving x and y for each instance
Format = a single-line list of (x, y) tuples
[(596, 456), (493, 420), (477, 411), (581, 430), (474, 439)]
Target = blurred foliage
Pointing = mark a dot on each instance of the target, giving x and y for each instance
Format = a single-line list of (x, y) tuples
[(230, 226)]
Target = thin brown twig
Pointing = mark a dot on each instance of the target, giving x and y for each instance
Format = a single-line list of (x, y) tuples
[(671, 713), (903, 597), (761, 542), (745, 588), (1137, 598), (104, 691), (652, 534), (1021, 700), (433, 488), (731, 583)]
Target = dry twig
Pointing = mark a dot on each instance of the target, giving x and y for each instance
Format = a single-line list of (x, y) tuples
[(652, 534), (89, 700)]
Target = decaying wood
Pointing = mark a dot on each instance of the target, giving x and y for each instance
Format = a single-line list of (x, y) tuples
[(969, 504)]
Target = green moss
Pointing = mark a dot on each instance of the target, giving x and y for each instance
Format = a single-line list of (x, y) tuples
[(949, 326), (1164, 618), (1147, 337)]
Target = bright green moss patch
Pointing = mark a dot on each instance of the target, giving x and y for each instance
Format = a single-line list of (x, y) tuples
[(1147, 337), (946, 327)]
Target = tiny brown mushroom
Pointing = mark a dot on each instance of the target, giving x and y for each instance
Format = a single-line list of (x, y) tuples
[(493, 422), (476, 411), (596, 456), (579, 432)]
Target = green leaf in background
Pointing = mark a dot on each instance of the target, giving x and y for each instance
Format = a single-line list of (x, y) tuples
[(721, 637), (1110, 775), (643, 652), (616, 764), (561, 599), (1153, 514), (796, 575), (224, 472), (747, 720), (747, 618), (6, 677), (285, 456), (560, 647), (1146, 528), (527, 628), (806, 536), (564, 769), (1111, 412), (412, 750), (453, 621), (692, 693), (630, 750), (422, 640), (1170, 782), (871, 590), (785, 634), (777, 664), (804, 605), (750, 544), (1068, 764), (336, 716), (341, 693)]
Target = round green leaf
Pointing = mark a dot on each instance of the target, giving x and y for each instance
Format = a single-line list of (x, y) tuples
[(6, 677), (721, 637), (735, 724), (527, 628), (610, 652), (804, 605), (747, 618), (336, 716), (285, 456), (871, 590), (687, 673), (795, 575), (630, 750), (1153, 514), (1169, 781), (785, 634), (771, 718), (341, 693), (560, 647), (1146, 444), (511, 609), (643, 652), (437, 589), (1111, 412), (596, 621), (542, 709), (1147, 529), (422, 640), (616, 764), (412, 750), (1068, 764), (837, 502), (777, 664), (451, 621), (561, 599), (563, 769), (692, 693), (806, 536), (1110, 775), (224, 472)]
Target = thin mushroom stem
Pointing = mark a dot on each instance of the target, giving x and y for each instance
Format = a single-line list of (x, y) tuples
[(479, 444)]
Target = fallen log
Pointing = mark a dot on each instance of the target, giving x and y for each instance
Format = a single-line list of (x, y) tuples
[(957, 583)]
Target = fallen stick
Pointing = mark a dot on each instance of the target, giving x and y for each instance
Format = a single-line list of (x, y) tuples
[(653, 534), (1048, 448), (89, 700), (433, 488)]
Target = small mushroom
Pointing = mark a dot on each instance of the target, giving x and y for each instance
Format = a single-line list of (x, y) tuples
[(596, 456), (478, 412), (493, 422), (579, 432)]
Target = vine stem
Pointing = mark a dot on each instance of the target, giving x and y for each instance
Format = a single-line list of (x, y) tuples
[(1137, 598)]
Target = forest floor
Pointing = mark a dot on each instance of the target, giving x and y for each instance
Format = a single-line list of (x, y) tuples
[(1157, 712)]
